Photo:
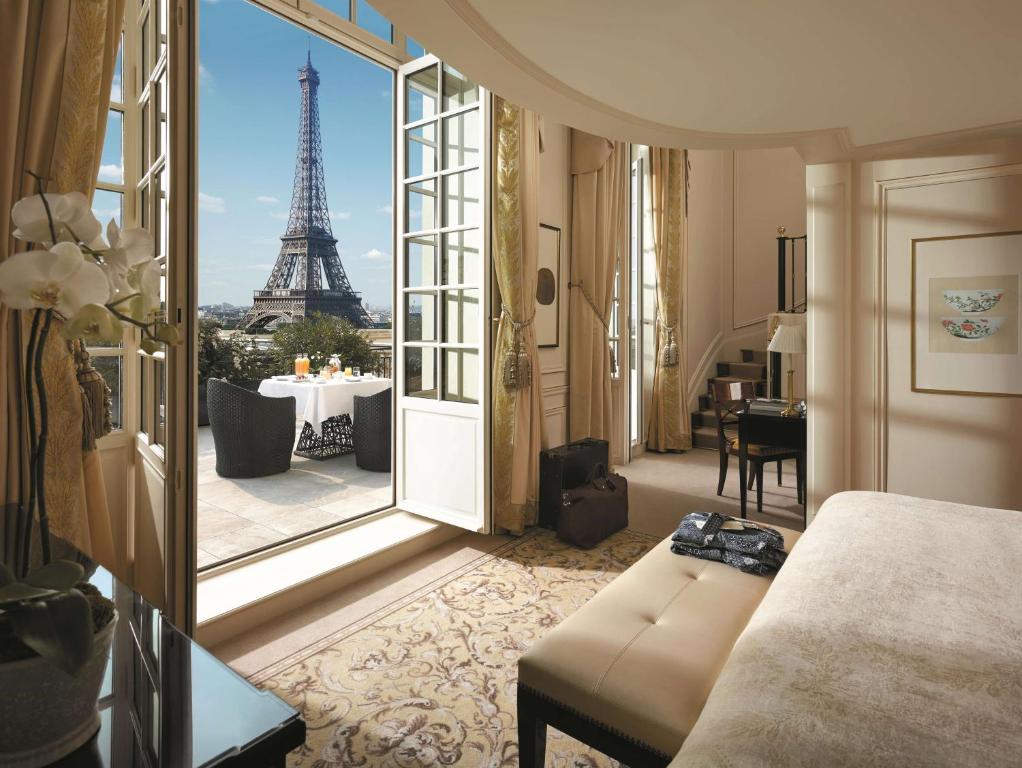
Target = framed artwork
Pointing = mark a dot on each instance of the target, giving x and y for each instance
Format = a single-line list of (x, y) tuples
[(548, 288), (965, 314)]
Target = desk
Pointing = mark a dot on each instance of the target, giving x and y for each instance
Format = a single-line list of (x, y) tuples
[(166, 702), (773, 430)]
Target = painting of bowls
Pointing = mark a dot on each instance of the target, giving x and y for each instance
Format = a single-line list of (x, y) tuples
[(979, 300), (971, 327)]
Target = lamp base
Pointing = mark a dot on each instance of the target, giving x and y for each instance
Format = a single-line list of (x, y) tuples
[(792, 410)]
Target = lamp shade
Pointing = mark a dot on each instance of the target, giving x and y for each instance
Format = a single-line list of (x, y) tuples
[(789, 338)]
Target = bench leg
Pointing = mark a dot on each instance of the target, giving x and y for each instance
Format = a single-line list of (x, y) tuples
[(531, 733)]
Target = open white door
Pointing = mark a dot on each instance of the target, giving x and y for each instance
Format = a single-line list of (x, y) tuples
[(442, 302)]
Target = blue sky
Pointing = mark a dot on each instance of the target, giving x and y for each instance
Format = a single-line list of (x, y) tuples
[(248, 129)]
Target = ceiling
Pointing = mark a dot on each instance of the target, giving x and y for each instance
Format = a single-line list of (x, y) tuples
[(829, 78)]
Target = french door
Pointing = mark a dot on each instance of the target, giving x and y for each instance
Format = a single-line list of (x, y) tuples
[(442, 295)]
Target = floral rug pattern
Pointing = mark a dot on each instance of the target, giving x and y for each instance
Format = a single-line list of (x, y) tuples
[(430, 680)]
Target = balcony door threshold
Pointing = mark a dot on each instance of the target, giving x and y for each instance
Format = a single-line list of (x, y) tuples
[(242, 595)]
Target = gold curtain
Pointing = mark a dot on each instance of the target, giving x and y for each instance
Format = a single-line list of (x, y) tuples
[(517, 409), (58, 60), (669, 430), (599, 184)]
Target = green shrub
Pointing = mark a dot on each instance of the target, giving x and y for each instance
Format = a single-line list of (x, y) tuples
[(320, 337)]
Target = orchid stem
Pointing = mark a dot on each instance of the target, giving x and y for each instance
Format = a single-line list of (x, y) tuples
[(46, 204), (44, 428), (25, 541)]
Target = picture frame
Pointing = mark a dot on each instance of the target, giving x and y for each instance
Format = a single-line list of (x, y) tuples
[(965, 318), (547, 324)]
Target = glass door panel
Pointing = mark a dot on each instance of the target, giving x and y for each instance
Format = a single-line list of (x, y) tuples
[(442, 330)]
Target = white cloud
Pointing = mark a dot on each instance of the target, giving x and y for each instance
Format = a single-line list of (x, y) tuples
[(375, 254), (212, 204), (280, 216), (340, 216), (268, 199), (205, 76), (111, 172), (387, 209)]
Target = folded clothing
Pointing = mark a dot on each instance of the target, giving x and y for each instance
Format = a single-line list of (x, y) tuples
[(740, 544)]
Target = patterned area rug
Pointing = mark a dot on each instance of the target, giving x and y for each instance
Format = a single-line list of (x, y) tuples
[(430, 680)]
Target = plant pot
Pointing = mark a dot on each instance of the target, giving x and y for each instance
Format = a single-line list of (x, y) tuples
[(44, 712)]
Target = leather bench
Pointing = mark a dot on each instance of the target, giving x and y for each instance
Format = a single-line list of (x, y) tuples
[(630, 671)]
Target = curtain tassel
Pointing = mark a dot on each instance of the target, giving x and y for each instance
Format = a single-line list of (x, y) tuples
[(669, 354), (96, 404), (516, 370)]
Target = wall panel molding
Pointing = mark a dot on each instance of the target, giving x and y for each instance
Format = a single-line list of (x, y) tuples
[(881, 390)]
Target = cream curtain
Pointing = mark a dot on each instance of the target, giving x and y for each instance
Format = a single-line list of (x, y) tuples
[(669, 430), (57, 63), (517, 405), (599, 194)]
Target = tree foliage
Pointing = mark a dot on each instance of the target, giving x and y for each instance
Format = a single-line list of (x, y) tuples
[(320, 337)]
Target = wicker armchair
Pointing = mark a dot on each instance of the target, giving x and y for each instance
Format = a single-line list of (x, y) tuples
[(371, 431), (253, 434)]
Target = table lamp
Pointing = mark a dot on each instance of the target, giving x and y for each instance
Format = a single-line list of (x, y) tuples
[(790, 339)]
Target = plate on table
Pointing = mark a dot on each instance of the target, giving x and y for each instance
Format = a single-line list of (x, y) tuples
[(283, 378), (353, 378)]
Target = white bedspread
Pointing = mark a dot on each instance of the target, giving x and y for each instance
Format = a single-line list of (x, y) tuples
[(891, 637)]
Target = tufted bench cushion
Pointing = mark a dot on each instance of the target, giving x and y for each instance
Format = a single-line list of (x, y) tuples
[(641, 657)]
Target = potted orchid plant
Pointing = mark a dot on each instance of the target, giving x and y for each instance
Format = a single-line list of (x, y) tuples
[(55, 628)]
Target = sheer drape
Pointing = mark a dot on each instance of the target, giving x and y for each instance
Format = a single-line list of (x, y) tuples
[(599, 186), (668, 429), (518, 406), (57, 63)]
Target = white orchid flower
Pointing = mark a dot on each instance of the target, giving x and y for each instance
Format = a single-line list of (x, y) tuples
[(73, 220), (128, 246), (144, 287), (94, 323), (59, 279)]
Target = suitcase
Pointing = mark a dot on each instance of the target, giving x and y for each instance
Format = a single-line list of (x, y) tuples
[(593, 511), (565, 467)]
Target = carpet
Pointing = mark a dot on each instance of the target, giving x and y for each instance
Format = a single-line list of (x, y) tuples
[(430, 680)]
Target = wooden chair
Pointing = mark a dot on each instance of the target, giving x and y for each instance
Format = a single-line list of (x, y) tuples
[(729, 398)]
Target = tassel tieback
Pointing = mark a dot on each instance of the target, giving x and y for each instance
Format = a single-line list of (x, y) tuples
[(96, 403), (669, 353), (516, 370)]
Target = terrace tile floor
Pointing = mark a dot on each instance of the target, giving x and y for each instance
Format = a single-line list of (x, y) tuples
[(237, 516)]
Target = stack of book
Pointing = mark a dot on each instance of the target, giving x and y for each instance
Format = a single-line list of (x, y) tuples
[(773, 407)]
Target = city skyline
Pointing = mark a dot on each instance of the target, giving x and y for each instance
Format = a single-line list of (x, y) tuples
[(246, 168)]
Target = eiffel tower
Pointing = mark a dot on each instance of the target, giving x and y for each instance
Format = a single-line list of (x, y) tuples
[(308, 248)]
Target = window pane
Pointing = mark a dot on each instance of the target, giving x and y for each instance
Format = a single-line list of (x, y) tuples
[(160, 401), (461, 375), (111, 369), (420, 372), (462, 199), (422, 95), (162, 223), (459, 91), (111, 164), (421, 206), (462, 258), (413, 48), (373, 21), (461, 316), (420, 155), (144, 127), (116, 89), (162, 91), (461, 139), (144, 74), (161, 10), (143, 209), (421, 268), (145, 422), (341, 7), (107, 205), (420, 317)]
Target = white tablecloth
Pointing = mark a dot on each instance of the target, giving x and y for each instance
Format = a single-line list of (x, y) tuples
[(319, 400)]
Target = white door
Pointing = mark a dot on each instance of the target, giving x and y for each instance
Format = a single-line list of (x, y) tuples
[(442, 335), (158, 36)]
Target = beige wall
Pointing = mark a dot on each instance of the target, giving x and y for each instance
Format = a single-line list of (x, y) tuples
[(555, 210), (957, 448), (736, 202)]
